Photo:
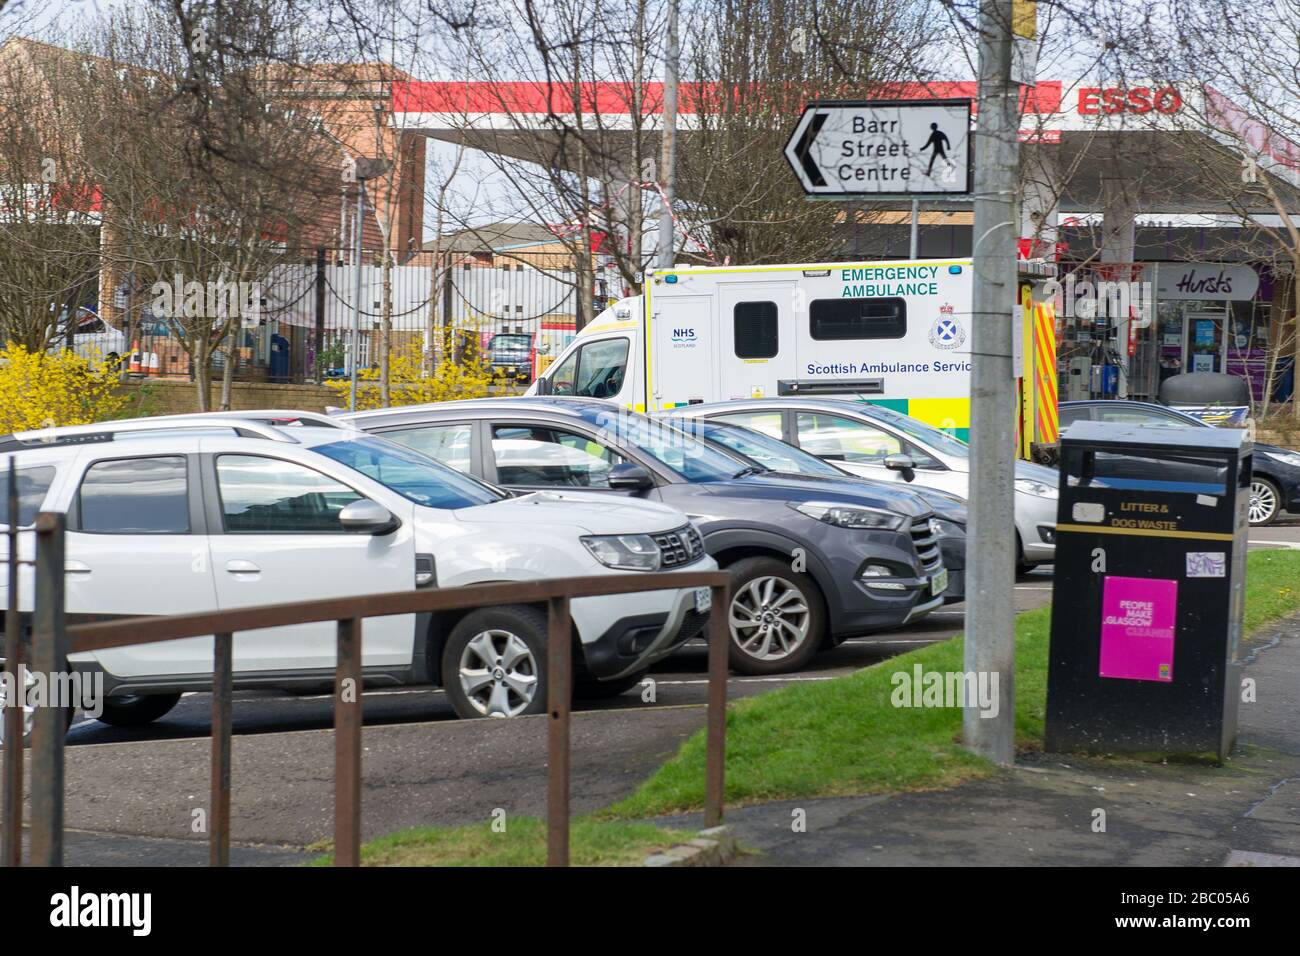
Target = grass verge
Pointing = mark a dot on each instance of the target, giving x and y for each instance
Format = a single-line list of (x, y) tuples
[(843, 736), (522, 843)]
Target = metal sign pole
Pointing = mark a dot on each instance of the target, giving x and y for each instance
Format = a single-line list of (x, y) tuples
[(990, 616)]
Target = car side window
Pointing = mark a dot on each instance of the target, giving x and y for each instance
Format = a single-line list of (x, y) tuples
[(535, 455), (33, 484), (1068, 416), (449, 444), (769, 423), (1139, 416), (845, 439), (135, 496), (270, 496)]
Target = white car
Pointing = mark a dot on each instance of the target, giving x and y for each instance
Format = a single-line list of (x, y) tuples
[(167, 516), (877, 442)]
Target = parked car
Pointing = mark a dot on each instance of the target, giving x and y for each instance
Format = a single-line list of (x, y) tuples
[(192, 514), (784, 459), (811, 563), (1275, 476), (510, 355), (877, 442)]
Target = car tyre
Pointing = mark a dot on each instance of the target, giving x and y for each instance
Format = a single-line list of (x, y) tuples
[(1265, 502), (777, 617), (136, 710), (494, 663)]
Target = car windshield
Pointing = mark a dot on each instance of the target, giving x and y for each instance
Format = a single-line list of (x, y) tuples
[(936, 438), (510, 342), (410, 474), (680, 453), (767, 451)]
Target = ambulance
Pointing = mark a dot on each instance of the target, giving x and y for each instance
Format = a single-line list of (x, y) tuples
[(894, 333)]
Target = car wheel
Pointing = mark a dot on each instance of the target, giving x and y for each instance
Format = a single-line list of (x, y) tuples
[(136, 710), (588, 688), (776, 615), (494, 663), (1265, 502)]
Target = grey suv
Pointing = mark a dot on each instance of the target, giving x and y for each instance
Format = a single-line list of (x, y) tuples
[(811, 562)]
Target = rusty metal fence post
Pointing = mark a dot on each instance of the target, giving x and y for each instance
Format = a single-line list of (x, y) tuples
[(11, 840), (222, 680), (559, 696), (719, 649), (347, 745), (49, 660)]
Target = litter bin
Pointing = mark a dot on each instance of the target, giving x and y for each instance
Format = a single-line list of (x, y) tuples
[(1149, 582)]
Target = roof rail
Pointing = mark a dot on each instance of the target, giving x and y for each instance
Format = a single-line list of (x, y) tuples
[(108, 431), (267, 416)]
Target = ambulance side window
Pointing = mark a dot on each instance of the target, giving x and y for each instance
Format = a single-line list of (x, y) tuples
[(838, 319), (562, 377), (601, 367), (755, 330)]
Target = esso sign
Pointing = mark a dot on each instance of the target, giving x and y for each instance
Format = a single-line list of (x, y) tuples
[(1136, 99)]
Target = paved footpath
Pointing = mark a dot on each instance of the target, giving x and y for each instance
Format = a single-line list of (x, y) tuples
[(1041, 812)]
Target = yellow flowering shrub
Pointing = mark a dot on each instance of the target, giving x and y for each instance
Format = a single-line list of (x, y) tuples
[(47, 389), (409, 385)]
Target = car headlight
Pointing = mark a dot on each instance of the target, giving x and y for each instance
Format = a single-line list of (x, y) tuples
[(1286, 457), (625, 552), (942, 528), (1036, 488), (851, 516)]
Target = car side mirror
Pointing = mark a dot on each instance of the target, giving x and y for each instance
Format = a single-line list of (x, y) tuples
[(627, 476), (543, 386), (367, 517), (903, 464)]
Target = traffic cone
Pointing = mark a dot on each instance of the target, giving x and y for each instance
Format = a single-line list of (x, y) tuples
[(155, 367), (134, 366)]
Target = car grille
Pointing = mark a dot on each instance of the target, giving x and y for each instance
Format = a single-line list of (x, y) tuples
[(926, 544), (679, 547)]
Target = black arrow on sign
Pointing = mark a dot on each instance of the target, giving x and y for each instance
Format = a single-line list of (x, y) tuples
[(805, 144)]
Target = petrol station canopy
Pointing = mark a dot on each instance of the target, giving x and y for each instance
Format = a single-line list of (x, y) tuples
[(1147, 148)]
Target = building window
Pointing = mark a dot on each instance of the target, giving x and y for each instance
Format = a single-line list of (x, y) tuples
[(755, 330), (836, 319)]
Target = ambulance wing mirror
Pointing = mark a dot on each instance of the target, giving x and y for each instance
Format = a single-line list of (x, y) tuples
[(902, 464), (543, 385)]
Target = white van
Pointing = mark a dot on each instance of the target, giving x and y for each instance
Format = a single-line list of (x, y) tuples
[(895, 333)]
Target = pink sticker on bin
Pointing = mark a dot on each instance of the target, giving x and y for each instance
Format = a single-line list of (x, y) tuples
[(1137, 628)]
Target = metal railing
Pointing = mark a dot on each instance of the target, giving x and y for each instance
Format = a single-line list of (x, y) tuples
[(53, 641)]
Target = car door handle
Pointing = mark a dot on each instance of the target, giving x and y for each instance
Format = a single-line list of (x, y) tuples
[(76, 567), (238, 566)]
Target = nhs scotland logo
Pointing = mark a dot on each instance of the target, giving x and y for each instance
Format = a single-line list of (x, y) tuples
[(947, 332)]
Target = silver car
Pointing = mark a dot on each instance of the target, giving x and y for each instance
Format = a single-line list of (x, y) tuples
[(878, 442)]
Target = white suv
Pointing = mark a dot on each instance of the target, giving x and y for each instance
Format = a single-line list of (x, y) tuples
[(171, 516)]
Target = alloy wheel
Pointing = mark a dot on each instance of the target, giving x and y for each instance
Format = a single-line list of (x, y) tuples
[(1263, 502), (498, 673), (769, 618)]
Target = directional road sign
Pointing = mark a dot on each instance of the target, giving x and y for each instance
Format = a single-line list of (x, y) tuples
[(883, 148)]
